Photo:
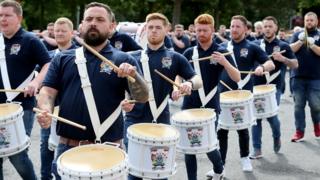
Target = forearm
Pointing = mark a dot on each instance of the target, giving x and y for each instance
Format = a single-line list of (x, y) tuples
[(40, 77), (139, 89), (46, 99), (296, 46), (315, 49), (291, 63), (196, 82), (179, 43), (268, 66), (50, 41), (233, 72)]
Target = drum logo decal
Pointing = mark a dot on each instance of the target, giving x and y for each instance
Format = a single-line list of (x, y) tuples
[(237, 114), (259, 104), (4, 138), (118, 45), (104, 67), (166, 62), (195, 135), (159, 156)]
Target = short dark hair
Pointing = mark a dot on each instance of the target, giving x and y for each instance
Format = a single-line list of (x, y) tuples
[(15, 5), (97, 4), (241, 18), (271, 18)]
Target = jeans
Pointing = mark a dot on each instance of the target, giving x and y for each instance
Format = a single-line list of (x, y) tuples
[(46, 155), (60, 149), (243, 142), (306, 90), (125, 142), (21, 161), (274, 124)]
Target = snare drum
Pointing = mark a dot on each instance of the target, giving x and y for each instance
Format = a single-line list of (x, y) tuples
[(53, 138), (93, 162), (197, 130), (13, 137), (265, 101), (152, 150), (237, 111)]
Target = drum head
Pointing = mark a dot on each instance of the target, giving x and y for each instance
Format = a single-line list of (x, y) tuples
[(152, 130), (235, 95), (6, 109), (91, 158), (264, 88), (194, 114)]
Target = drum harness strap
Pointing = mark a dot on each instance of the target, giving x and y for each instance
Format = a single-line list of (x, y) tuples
[(204, 99), (5, 76), (99, 129), (274, 75), (155, 111), (244, 81)]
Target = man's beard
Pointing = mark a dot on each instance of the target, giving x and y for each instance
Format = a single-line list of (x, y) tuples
[(95, 39)]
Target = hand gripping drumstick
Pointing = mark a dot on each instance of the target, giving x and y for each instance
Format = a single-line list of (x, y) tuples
[(61, 119), (12, 90), (102, 58), (209, 57)]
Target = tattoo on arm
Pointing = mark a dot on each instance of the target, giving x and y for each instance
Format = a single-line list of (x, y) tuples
[(46, 102), (139, 89)]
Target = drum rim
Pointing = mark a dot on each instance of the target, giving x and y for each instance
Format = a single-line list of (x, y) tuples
[(117, 168), (11, 117), (138, 173), (257, 93), (199, 120), (17, 149), (229, 100)]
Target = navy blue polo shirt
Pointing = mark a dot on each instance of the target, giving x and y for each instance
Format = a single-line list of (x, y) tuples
[(219, 41), (123, 42), (250, 38), (23, 52), (275, 46), (185, 41), (170, 64), (107, 88), (246, 55), (210, 73), (309, 62), (48, 46), (167, 42)]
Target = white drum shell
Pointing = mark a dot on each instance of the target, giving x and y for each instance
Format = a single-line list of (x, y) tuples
[(265, 104), (244, 108), (118, 172), (139, 152), (13, 137), (202, 129)]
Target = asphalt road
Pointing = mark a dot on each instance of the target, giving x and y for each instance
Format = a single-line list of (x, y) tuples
[(296, 161)]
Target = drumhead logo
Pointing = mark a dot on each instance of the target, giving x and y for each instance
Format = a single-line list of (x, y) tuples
[(166, 62), (15, 48), (260, 104), (237, 114), (195, 135), (105, 68), (4, 138), (244, 52), (159, 156), (118, 45)]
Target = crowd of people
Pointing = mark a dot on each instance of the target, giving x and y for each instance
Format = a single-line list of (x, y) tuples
[(91, 92)]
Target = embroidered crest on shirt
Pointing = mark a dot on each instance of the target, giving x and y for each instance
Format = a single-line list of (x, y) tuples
[(316, 37), (15, 48), (166, 62), (244, 52), (276, 49), (212, 61), (118, 45), (104, 67)]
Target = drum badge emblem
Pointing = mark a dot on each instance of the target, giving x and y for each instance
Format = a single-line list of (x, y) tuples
[(104, 67), (237, 114), (4, 138), (244, 52), (166, 62), (276, 49), (15, 48), (259, 104), (118, 45), (195, 136), (159, 156)]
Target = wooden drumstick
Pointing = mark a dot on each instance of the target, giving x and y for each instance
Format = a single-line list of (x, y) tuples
[(225, 85), (250, 72), (209, 57), (102, 58), (281, 52), (12, 90), (61, 119), (167, 79), (132, 101)]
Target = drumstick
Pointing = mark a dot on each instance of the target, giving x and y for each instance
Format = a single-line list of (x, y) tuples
[(12, 90), (209, 57), (225, 85), (281, 52), (132, 101), (61, 119), (102, 58), (167, 79)]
